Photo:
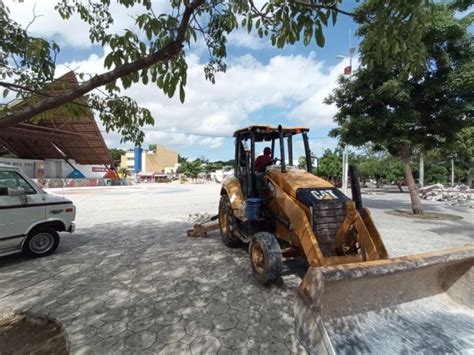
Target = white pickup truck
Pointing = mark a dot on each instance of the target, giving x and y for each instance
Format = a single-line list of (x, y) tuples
[(30, 218)]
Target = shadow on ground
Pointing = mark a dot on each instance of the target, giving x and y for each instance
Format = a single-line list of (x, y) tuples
[(146, 287), (396, 204)]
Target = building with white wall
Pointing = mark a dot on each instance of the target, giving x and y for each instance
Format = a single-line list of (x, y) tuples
[(54, 168), (161, 160)]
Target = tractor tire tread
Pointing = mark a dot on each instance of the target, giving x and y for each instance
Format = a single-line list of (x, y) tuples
[(273, 258), (228, 238)]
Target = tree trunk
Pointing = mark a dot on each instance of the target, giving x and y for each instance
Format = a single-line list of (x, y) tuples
[(405, 155), (470, 177), (399, 185)]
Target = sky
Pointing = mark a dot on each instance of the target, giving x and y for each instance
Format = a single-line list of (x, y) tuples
[(262, 84)]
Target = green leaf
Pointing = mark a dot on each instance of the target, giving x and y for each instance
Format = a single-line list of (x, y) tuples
[(308, 34), (323, 17), (334, 17), (320, 40), (181, 94), (109, 59)]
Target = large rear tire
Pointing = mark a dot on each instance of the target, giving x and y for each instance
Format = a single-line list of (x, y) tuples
[(265, 257), (228, 224)]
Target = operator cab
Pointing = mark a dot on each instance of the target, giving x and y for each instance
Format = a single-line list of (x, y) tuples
[(246, 154)]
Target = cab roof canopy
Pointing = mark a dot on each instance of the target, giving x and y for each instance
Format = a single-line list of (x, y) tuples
[(267, 133), (59, 134)]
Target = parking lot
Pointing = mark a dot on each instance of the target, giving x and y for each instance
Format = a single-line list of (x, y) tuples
[(130, 281)]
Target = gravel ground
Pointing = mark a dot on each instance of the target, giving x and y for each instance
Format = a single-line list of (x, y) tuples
[(130, 281)]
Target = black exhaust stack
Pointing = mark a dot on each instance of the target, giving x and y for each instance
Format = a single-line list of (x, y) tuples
[(355, 188), (282, 149)]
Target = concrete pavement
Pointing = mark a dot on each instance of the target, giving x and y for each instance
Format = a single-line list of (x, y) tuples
[(130, 281)]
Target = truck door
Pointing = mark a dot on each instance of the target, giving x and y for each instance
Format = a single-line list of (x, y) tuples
[(17, 213)]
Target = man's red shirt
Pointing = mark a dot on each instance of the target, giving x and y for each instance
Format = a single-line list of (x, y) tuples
[(262, 162)]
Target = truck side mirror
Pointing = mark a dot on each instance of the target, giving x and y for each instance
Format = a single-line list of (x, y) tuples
[(16, 192)]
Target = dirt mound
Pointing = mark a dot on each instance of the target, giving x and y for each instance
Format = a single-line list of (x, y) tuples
[(27, 334)]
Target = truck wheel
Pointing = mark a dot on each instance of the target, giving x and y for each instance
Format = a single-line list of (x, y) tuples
[(41, 241), (265, 257), (227, 223)]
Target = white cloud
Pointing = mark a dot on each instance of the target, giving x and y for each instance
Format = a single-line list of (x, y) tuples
[(241, 38), (312, 110), (73, 32), (295, 85), (92, 65)]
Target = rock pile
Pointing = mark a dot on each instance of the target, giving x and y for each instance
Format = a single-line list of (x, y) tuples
[(198, 217), (460, 195)]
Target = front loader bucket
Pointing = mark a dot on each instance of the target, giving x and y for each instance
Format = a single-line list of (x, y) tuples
[(413, 304)]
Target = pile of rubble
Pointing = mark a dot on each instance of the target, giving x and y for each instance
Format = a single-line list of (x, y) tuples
[(199, 217), (460, 195)]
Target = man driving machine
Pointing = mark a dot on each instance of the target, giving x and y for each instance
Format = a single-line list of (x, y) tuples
[(264, 160)]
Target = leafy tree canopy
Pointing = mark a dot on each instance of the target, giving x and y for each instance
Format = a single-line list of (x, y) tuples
[(154, 52), (330, 164), (463, 146), (191, 169), (379, 106), (117, 155), (400, 111)]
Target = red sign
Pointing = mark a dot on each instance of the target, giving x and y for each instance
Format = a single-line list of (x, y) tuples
[(348, 70), (39, 170)]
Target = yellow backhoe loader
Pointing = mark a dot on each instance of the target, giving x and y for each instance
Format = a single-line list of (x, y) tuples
[(353, 298)]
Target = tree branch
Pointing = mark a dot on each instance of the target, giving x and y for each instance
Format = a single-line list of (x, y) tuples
[(323, 7), (256, 11), (35, 16), (168, 52)]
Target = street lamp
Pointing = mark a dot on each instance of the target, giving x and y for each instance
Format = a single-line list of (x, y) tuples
[(345, 153)]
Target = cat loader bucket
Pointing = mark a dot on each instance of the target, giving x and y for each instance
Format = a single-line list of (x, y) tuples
[(413, 304)]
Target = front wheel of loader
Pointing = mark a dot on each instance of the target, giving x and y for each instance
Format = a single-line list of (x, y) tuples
[(227, 223), (265, 257)]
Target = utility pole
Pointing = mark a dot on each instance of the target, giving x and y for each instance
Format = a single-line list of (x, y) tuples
[(345, 152), (344, 172), (422, 171), (345, 169), (452, 171)]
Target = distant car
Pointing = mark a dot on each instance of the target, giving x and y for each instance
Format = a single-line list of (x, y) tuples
[(30, 218)]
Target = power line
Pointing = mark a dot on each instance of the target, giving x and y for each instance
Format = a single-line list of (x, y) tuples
[(205, 135), (186, 133), (327, 137)]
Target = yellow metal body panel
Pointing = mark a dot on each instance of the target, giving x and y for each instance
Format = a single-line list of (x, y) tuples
[(282, 202), (231, 185), (294, 179), (301, 234)]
